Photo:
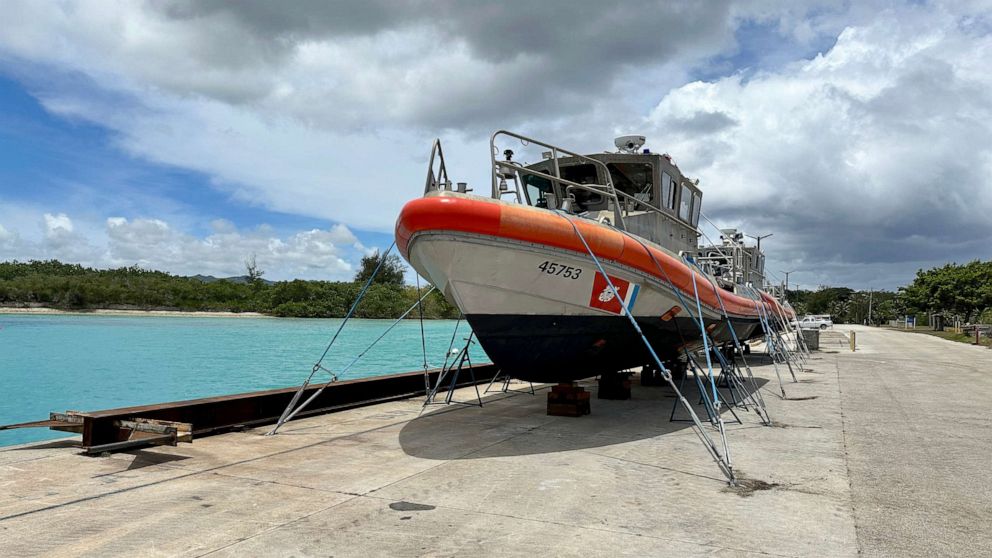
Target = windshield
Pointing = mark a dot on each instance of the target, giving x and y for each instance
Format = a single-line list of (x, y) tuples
[(584, 174), (539, 189), (633, 179)]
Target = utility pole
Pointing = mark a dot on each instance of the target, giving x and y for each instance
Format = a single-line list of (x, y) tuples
[(869, 305), (787, 279)]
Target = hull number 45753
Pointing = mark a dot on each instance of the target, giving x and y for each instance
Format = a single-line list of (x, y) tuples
[(552, 268)]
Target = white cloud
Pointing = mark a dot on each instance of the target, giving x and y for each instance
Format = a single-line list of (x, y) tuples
[(875, 152), (154, 244), (62, 240), (325, 111), (371, 63), (57, 225)]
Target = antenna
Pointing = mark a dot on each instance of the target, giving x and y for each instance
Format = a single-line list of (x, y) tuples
[(758, 238)]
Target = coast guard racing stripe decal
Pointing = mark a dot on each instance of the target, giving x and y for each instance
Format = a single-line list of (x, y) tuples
[(603, 298)]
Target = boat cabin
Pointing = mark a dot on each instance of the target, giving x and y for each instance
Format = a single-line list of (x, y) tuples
[(733, 262), (632, 189), (654, 199)]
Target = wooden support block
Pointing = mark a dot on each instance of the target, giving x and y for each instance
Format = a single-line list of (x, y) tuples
[(70, 421), (568, 400), (183, 431), (559, 410)]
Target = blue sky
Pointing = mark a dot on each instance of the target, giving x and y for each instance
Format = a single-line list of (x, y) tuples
[(75, 167), (187, 137)]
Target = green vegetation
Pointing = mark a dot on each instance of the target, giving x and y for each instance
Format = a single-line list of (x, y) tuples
[(954, 291), (846, 306), (951, 335), (74, 287), (964, 291), (390, 274)]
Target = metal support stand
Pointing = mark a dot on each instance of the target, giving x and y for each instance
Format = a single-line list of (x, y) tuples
[(773, 344), (704, 398), (735, 374), (721, 458), (726, 378), (788, 354), (801, 349), (452, 372), (504, 380)]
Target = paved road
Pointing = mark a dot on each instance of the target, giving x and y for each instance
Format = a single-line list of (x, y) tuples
[(918, 432)]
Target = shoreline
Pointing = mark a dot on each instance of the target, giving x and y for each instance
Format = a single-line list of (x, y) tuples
[(114, 312)]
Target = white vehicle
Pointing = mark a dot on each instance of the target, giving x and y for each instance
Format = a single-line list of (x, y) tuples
[(816, 321)]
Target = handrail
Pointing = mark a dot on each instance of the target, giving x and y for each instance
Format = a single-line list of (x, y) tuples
[(596, 189), (519, 168), (555, 150), (641, 202)]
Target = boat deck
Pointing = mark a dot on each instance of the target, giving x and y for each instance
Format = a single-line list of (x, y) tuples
[(883, 450)]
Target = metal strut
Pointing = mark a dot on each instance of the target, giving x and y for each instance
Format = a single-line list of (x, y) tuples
[(317, 366), (801, 340), (423, 338), (290, 412), (800, 351), (774, 343), (722, 461), (760, 403), (795, 356), (715, 417), (782, 345), (755, 393), (505, 380), (766, 327)]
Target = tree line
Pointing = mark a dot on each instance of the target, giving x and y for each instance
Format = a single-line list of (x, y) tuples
[(846, 306), (954, 290), (73, 287), (963, 291)]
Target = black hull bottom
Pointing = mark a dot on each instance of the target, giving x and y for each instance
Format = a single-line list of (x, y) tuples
[(567, 348)]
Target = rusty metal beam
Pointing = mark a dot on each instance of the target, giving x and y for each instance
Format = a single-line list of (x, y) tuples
[(128, 427)]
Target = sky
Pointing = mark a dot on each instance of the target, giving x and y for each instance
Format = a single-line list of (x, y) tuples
[(187, 136)]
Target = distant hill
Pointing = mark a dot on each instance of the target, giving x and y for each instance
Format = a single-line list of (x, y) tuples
[(240, 279)]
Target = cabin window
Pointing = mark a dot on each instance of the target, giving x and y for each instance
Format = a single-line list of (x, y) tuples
[(667, 191), (685, 203), (584, 174), (537, 190), (697, 204), (634, 179)]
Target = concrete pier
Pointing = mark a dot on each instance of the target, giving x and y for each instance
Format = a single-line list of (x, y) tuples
[(883, 451)]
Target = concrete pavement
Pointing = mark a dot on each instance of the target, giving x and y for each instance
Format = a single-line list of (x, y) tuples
[(883, 451)]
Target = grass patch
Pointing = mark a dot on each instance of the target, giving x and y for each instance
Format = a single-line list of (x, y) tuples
[(949, 335)]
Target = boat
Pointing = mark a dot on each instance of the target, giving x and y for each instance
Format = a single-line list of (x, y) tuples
[(547, 266)]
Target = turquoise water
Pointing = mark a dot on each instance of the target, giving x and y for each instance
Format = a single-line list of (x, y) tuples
[(87, 362)]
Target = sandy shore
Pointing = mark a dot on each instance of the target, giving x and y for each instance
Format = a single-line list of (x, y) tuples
[(108, 312)]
